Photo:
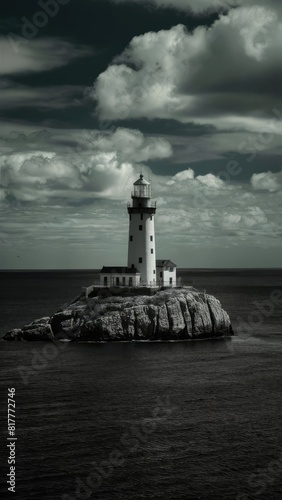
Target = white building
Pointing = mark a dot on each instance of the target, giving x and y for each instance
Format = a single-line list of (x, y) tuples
[(166, 273), (142, 268), (119, 276)]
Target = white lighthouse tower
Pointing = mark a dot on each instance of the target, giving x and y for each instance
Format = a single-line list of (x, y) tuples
[(141, 243), (143, 270)]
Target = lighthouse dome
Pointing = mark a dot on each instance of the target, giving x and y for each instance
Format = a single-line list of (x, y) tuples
[(141, 181)]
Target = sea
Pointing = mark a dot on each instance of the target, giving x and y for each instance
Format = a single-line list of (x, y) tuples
[(172, 420)]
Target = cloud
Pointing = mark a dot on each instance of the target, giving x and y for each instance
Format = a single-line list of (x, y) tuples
[(74, 165), (68, 203), (181, 176), (75, 168), (44, 177), (37, 55), (132, 145), (196, 207), (198, 191), (175, 74), (194, 5), (15, 95), (267, 181), (200, 6)]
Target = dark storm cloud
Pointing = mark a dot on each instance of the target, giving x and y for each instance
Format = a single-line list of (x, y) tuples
[(181, 74), (102, 26)]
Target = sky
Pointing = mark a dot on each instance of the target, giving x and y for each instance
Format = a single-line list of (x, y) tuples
[(93, 92)]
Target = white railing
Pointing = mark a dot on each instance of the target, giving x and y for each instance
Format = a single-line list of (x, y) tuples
[(153, 204), (153, 284)]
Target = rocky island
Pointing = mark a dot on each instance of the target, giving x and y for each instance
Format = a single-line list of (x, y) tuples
[(169, 315)]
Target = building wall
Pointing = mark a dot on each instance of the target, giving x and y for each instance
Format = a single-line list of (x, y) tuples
[(167, 275), (141, 246), (112, 279)]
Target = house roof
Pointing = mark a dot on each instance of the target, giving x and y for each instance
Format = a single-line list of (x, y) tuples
[(119, 270), (165, 263)]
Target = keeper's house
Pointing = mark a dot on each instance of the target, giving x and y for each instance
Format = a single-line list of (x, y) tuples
[(166, 273), (119, 276)]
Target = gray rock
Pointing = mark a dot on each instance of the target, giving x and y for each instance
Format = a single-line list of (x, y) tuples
[(59, 318), (146, 320), (108, 327), (186, 316), (220, 319), (39, 333), (163, 331), (177, 314), (41, 321), (14, 335), (36, 333), (128, 323), (202, 317)]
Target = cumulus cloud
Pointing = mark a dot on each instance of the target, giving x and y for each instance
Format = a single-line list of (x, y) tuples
[(197, 191), (92, 165), (41, 177), (267, 181), (181, 176), (50, 195), (39, 54), (207, 207), (130, 145), (174, 74)]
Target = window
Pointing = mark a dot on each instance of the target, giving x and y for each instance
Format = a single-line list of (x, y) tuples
[(131, 238), (152, 251), (154, 271), (140, 260), (161, 274), (151, 238), (123, 280), (132, 266), (171, 269), (141, 216), (140, 227), (105, 280), (130, 281), (117, 281), (170, 281)]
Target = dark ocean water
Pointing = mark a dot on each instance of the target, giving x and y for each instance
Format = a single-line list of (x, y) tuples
[(193, 420)]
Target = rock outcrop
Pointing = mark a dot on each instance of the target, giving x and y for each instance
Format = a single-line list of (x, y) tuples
[(175, 314), (39, 329)]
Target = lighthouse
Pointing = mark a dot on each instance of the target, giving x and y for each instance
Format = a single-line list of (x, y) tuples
[(141, 241), (143, 270)]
